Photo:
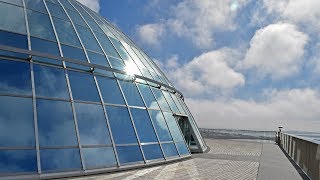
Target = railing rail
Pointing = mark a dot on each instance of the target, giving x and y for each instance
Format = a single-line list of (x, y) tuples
[(305, 152)]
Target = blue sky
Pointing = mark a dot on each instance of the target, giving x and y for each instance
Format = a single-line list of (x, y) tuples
[(242, 64)]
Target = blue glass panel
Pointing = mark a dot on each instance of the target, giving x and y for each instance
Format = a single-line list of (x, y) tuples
[(116, 63), (50, 82), (171, 102), (73, 53), (129, 154), (173, 126), (60, 159), (36, 5), (148, 97), (161, 100), (16, 122), (110, 90), (143, 125), (55, 123), (13, 54), (160, 125), (92, 124), (12, 18), (66, 32), (99, 157), (15, 77), (83, 87), (56, 10), (121, 125), (182, 148), (97, 59), (42, 30), (67, 5), (88, 39), (76, 18), (18, 161), (120, 49), (169, 150), (44, 46), (93, 25), (152, 151), (131, 93), (107, 46), (175, 99), (16, 2), (13, 39), (47, 60)]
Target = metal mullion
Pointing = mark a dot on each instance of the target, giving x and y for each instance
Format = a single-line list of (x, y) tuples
[(154, 129), (59, 147), (74, 27), (117, 105), (107, 121), (34, 104), (97, 146), (75, 119), (92, 32), (15, 95), (131, 118)]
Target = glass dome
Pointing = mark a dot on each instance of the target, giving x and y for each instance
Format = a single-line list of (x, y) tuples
[(78, 97)]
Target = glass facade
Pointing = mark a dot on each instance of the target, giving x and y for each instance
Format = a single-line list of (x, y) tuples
[(76, 94)]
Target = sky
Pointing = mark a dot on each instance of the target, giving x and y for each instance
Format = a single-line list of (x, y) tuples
[(241, 64)]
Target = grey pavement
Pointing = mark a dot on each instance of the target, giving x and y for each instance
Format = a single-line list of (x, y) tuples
[(227, 160)]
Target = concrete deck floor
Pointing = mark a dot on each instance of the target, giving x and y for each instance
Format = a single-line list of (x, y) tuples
[(227, 159)]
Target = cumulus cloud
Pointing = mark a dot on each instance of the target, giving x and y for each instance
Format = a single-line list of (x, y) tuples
[(276, 50), (150, 34), (304, 12), (92, 4), (205, 74), (295, 109)]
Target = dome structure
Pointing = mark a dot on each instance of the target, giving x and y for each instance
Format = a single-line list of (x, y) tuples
[(78, 97)]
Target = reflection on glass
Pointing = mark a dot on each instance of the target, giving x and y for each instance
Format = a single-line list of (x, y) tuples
[(152, 151), (42, 30), (96, 58), (66, 33), (18, 161), (110, 90), (12, 18), (175, 99), (131, 93), (36, 5), (107, 46), (13, 39), (143, 125), (160, 125), (129, 154), (55, 123), (83, 87), (16, 2), (67, 5), (56, 10), (148, 97), (173, 127), (182, 148), (170, 101), (125, 56), (44, 46), (121, 125), (169, 149), (60, 159), (73, 53), (16, 122), (92, 124), (116, 63), (161, 100), (15, 77), (88, 39), (76, 18), (99, 157), (50, 82)]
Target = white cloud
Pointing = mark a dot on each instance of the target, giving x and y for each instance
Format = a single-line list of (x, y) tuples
[(295, 109), (92, 4), (150, 34), (276, 50), (205, 74), (298, 11), (198, 20)]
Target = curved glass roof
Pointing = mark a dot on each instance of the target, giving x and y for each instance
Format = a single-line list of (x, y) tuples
[(77, 95)]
